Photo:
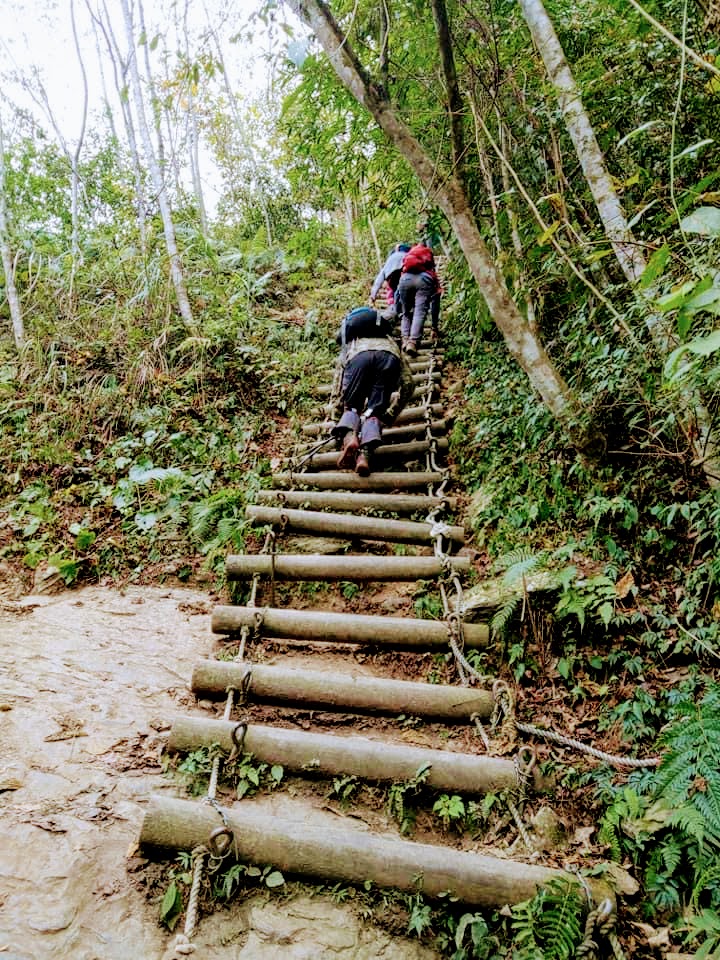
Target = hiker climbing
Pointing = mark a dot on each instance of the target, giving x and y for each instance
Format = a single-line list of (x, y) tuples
[(389, 274), (418, 292), (372, 384)]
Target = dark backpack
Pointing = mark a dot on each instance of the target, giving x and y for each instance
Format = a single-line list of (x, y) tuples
[(418, 259)]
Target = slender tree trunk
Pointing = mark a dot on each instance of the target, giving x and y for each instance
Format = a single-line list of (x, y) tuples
[(504, 139), (176, 271), (349, 231), (450, 196), (6, 254), (78, 148), (237, 116), (120, 70), (376, 245), (627, 251), (452, 91)]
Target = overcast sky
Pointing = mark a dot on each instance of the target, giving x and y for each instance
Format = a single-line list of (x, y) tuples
[(41, 39)]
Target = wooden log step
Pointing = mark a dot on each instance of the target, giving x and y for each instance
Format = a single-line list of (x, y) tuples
[(341, 691), (312, 566), (329, 755), (340, 853), (407, 632), (423, 363), (323, 389), (349, 525), (411, 450), (399, 434), (347, 480), (419, 394), (356, 502), (408, 415)]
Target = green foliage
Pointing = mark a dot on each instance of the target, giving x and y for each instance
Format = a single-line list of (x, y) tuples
[(249, 776), (450, 809), (194, 769), (550, 925), (228, 882), (400, 793), (688, 779)]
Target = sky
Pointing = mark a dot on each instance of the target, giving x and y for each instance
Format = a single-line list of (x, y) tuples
[(40, 44)]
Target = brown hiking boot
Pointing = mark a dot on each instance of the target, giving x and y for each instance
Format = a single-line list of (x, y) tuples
[(346, 460), (411, 348), (362, 465)]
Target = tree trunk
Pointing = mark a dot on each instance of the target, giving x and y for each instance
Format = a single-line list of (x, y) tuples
[(450, 196), (76, 153), (120, 69), (6, 253), (452, 91), (157, 176), (627, 251)]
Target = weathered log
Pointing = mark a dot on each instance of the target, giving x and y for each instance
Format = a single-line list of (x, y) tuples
[(344, 627), (408, 415), (326, 852), (420, 393), (423, 363), (356, 502), (407, 431), (349, 525), (341, 691), (323, 389), (347, 480), (411, 450), (330, 755), (291, 566)]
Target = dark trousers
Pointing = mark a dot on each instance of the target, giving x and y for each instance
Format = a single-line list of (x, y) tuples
[(415, 292), (368, 381)]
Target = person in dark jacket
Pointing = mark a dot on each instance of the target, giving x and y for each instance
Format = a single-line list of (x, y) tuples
[(390, 273), (418, 292), (372, 384)]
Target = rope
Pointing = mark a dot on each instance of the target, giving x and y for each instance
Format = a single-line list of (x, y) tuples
[(564, 741), (600, 922)]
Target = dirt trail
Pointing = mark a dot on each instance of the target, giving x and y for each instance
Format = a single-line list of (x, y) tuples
[(89, 679)]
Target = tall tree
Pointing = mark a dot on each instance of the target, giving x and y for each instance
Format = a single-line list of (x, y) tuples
[(6, 254), (451, 197), (627, 250), (157, 174)]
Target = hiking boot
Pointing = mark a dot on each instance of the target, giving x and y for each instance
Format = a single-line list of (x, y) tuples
[(362, 465), (346, 460), (411, 348)]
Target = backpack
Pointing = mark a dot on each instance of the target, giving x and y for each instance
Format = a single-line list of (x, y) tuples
[(418, 259)]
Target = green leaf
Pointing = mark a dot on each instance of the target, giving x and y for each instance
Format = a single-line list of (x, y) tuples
[(548, 233), (704, 221), (171, 906), (146, 521), (276, 772), (676, 297), (704, 346), (274, 879), (85, 539), (693, 148), (656, 265)]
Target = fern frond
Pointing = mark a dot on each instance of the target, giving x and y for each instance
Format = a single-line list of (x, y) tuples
[(502, 617)]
